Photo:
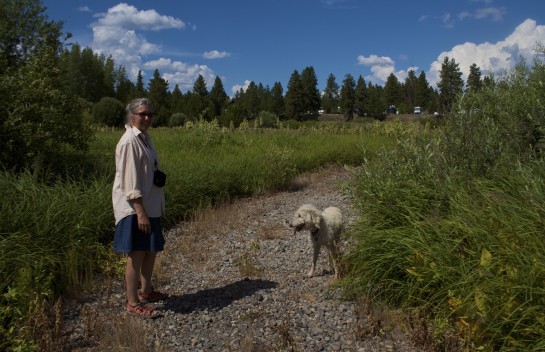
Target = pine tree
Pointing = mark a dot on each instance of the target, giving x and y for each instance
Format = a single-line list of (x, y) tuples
[(361, 96), (123, 85), (411, 87), (293, 100), (450, 85), (199, 99), (348, 95), (423, 92), (310, 94), (474, 81), (160, 97), (218, 97), (277, 99), (330, 99), (140, 91), (177, 100), (392, 91)]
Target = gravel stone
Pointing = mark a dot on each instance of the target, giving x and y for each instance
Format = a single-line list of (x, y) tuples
[(214, 307)]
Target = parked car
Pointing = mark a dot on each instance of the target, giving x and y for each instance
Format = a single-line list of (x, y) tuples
[(417, 110), (391, 109)]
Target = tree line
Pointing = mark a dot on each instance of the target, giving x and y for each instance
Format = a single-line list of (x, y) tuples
[(51, 91)]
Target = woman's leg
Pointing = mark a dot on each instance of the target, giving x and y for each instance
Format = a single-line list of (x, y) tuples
[(146, 271), (132, 275)]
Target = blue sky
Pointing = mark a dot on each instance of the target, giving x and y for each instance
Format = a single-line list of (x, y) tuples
[(266, 40)]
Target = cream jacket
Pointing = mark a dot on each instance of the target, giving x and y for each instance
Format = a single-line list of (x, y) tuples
[(135, 162)]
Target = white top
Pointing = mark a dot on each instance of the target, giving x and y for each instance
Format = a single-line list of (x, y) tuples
[(135, 162)]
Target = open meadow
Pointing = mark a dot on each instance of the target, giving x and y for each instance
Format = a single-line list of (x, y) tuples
[(56, 234), (450, 215)]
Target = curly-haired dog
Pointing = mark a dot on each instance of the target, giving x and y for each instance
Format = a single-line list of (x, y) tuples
[(325, 228)]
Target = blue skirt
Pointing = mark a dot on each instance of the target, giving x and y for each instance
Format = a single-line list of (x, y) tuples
[(128, 237)]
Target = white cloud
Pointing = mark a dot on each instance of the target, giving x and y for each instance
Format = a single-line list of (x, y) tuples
[(238, 87), (119, 32), (127, 16), (84, 9), (215, 54), (493, 57), (493, 13), (180, 73), (380, 66)]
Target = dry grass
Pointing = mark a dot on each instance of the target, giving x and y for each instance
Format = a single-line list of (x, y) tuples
[(123, 333)]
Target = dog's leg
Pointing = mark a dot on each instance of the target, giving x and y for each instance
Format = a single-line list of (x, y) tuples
[(333, 259), (315, 254)]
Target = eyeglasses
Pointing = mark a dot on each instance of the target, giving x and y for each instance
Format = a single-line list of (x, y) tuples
[(144, 114)]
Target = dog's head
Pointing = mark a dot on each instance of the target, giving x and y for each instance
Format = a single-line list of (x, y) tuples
[(307, 217)]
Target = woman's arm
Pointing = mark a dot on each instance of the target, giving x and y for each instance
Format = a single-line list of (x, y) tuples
[(143, 219)]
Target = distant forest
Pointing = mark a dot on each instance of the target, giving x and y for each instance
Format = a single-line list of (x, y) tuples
[(52, 91)]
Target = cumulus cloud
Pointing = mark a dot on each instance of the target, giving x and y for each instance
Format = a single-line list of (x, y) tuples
[(215, 54), (380, 66), (127, 16), (493, 57), (238, 87), (180, 73), (496, 58), (117, 33), (120, 32)]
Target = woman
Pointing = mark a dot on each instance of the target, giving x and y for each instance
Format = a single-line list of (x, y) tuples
[(138, 205)]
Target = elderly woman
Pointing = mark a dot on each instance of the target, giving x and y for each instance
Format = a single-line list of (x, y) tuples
[(138, 204)]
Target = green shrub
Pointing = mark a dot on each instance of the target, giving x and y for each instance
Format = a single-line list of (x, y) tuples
[(267, 120), (177, 119), (109, 111)]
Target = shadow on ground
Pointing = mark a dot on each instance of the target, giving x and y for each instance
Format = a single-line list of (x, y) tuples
[(216, 298)]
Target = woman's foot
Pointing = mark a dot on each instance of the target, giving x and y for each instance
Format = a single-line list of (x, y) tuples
[(153, 296), (143, 310)]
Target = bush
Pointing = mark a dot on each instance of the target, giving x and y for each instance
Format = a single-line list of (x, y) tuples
[(177, 119), (267, 120), (109, 111)]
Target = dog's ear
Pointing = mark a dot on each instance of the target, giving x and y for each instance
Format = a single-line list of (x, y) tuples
[(315, 219)]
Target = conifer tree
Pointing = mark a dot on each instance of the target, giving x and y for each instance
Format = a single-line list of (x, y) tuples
[(293, 99), (218, 97), (474, 81), (277, 99), (411, 87), (450, 85), (310, 94), (361, 96), (392, 91), (348, 96), (160, 97), (330, 99)]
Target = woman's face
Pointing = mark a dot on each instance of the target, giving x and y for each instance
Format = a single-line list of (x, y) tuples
[(142, 118)]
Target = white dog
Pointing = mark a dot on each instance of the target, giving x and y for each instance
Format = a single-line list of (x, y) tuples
[(325, 228)]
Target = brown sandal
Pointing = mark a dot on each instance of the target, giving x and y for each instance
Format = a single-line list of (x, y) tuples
[(143, 310), (153, 296)]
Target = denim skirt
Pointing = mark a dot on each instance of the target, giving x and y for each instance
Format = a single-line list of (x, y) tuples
[(128, 237)]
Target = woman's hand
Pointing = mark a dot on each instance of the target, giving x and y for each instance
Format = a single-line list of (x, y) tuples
[(143, 220)]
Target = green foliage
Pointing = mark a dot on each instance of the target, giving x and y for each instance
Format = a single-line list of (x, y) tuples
[(38, 118), (348, 96), (451, 84), (452, 219), (109, 111), (267, 119), (177, 119)]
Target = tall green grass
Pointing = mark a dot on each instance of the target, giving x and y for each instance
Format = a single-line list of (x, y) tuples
[(452, 220), (56, 232)]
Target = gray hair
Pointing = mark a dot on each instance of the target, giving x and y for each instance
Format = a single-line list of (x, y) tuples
[(131, 108)]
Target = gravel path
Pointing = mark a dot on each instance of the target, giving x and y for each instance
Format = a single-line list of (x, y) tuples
[(237, 281)]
